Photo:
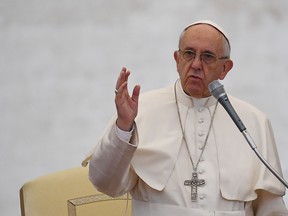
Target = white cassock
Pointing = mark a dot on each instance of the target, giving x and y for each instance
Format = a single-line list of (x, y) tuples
[(155, 163)]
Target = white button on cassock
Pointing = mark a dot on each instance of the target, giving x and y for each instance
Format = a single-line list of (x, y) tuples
[(200, 109), (200, 121), (200, 147), (200, 134)]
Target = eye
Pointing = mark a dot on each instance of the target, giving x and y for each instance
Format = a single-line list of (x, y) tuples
[(208, 57), (189, 54)]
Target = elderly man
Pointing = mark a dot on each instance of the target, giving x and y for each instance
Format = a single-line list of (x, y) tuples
[(177, 152)]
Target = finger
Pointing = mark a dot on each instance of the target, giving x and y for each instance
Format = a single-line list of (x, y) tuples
[(136, 93), (120, 78), (127, 74), (123, 88), (123, 76)]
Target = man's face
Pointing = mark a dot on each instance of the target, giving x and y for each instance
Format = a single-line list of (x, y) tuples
[(195, 74)]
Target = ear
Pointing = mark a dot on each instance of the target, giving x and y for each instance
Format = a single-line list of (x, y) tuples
[(176, 56), (228, 65)]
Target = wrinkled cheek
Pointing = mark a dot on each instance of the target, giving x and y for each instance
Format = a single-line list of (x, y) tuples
[(184, 74), (183, 70)]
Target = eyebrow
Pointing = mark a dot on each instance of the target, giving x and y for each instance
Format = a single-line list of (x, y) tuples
[(205, 51)]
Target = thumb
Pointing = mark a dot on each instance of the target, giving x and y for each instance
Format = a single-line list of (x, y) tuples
[(136, 93)]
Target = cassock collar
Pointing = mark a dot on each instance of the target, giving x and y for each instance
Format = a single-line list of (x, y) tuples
[(192, 101)]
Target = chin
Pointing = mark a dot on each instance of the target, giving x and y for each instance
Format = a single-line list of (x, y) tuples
[(195, 92)]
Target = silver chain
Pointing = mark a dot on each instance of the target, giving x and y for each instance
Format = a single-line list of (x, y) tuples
[(183, 131)]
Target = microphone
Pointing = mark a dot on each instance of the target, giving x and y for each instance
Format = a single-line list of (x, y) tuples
[(217, 90)]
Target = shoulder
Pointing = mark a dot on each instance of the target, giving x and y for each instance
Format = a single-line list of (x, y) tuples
[(157, 96), (157, 92), (255, 120), (245, 107), (157, 103)]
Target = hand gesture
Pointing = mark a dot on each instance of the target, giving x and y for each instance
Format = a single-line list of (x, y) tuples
[(127, 107)]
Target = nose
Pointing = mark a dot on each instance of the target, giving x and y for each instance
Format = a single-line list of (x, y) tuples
[(196, 62)]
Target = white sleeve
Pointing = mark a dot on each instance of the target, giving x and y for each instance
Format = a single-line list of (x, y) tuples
[(110, 165), (124, 135)]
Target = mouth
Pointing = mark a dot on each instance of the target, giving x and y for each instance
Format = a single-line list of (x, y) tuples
[(195, 77)]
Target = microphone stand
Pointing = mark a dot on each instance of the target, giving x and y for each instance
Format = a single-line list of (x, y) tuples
[(260, 156), (217, 90)]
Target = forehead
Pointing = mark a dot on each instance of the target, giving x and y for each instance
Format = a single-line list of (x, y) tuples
[(203, 37)]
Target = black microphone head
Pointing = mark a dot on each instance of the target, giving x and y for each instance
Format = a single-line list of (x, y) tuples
[(216, 89)]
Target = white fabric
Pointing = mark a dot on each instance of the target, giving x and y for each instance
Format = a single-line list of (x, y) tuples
[(238, 172), (160, 162), (124, 135), (147, 208), (211, 23)]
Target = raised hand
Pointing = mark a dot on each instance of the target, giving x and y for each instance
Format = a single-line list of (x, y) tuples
[(126, 105)]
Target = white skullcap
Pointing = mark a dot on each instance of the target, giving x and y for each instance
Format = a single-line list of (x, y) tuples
[(214, 25)]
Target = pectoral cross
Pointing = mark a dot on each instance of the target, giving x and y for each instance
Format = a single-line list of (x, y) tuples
[(194, 183)]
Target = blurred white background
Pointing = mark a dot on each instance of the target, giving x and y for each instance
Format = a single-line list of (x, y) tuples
[(59, 61)]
